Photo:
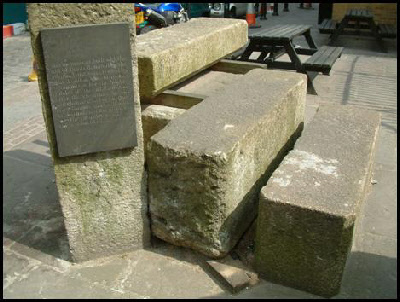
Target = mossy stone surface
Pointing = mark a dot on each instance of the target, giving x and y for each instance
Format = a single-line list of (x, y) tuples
[(170, 55), (103, 195), (309, 207)]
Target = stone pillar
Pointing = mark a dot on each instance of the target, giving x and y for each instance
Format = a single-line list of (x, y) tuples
[(102, 194)]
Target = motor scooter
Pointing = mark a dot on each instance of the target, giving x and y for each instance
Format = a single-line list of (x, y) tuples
[(149, 17)]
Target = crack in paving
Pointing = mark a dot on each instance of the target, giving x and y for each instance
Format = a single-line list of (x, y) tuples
[(119, 287), (10, 280)]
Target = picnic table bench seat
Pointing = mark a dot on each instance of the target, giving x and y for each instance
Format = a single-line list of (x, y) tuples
[(327, 26), (323, 59), (387, 31)]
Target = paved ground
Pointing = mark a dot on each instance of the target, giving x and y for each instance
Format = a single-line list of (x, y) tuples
[(35, 245)]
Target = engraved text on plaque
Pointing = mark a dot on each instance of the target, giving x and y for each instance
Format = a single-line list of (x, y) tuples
[(89, 75)]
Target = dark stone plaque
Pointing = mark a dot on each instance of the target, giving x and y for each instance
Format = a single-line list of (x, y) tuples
[(90, 80)]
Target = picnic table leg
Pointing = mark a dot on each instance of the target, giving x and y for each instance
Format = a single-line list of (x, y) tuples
[(338, 31), (310, 40), (293, 56), (299, 67), (248, 51), (378, 37), (262, 56), (310, 85)]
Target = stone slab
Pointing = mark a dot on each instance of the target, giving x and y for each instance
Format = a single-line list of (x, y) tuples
[(103, 195), (233, 273), (90, 81), (308, 209), (370, 276), (155, 118), (207, 166), (170, 55)]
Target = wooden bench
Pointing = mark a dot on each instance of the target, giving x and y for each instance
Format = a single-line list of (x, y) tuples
[(359, 22), (327, 26), (387, 31), (323, 59)]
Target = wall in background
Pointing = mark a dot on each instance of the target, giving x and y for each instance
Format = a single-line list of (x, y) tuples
[(384, 13)]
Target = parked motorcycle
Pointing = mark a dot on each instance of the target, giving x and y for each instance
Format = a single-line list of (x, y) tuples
[(153, 16)]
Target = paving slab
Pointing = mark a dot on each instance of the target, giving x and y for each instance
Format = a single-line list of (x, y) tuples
[(233, 273), (45, 283), (267, 290), (380, 208), (160, 278), (13, 268), (386, 153), (32, 213), (369, 276)]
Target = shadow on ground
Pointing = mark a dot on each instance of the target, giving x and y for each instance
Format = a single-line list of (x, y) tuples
[(32, 213), (366, 276)]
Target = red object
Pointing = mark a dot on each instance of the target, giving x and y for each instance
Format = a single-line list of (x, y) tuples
[(251, 19), (251, 14), (137, 9), (7, 31)]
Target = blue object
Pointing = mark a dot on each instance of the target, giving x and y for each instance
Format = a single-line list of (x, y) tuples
[(162, 7), (14, 13), (169, 7)]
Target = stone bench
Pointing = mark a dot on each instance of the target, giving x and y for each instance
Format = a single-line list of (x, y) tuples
[(308, 208), (170, 55), (206, 166)]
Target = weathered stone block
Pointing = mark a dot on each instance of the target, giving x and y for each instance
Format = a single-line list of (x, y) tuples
[(308, 209), (156, 117), (103, 195), (172, 54), (207, 166)]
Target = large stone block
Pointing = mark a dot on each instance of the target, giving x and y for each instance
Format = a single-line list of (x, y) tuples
[(103, 195), (170, 55), (207, 166), (308, 209)]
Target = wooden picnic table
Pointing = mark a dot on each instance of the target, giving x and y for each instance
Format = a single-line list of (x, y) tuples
[(362, 19), (277, 40)]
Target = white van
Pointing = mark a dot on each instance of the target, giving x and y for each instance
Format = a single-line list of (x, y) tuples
[(230, 10)]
